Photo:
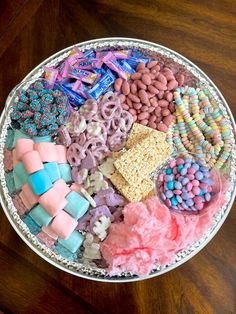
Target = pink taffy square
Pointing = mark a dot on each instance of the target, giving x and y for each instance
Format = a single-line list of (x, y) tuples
[(49, 232), (63, 225), (23, 145), (14, 159), (52, 201), (62, 188), (61, 151), (32, 162), (28, 197), (47, 151)]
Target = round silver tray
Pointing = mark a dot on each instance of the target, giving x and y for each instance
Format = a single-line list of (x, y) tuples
[(89, 270)]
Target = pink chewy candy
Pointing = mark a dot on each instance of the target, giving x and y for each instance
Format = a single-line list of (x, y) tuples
[(28, 197), (61, 151), (23, 145), (47, 151), (52, 201), (63, 225), (32, 161), (62, 188), (49, 232)]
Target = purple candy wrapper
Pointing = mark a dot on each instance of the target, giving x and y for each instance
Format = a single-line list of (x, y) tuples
[(83, 75), (88, 64), (114, 65)]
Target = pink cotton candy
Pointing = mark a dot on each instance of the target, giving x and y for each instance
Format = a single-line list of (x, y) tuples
[(151, 234)]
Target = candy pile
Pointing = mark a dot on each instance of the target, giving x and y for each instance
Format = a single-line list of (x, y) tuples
[(186, 184), (39, 110)]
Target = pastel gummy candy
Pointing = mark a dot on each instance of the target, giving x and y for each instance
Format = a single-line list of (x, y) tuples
[(40, 182), (63, 225), (20, 175), (47, 151), (74, 241), (23, 146), (40, 216), (53, 171), (32, 161), (65, 171), (77, 206)]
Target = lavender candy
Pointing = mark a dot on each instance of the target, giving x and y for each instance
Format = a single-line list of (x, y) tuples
[(114, 200)]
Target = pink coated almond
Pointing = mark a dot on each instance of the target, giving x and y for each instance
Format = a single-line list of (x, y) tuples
[(168, 119), (125, 88), (133, 88), (136, 76), (162, 127), (122, 98), (151, 109), (160, 86), (157, 111), (161, 78), (143, 96), (125, 106), (118, 83), (156, 67), (169, 96), (137, 106), (129, 102), (143, 116), (150, 95), (152, 118), (133, 112), (172, 84), (171, 107), (169, 76), (165, 112), (144, 108), (163, 103), (134, 98), (140, 66), (152, 76), (152, 125), (144, 122), (151, 64), (160, 94), (146, 79), (152, 89), (135, 118), (141, 85), (180, 79)]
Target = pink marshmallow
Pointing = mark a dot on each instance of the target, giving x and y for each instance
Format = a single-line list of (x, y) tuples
[(63, 225), (47, 151), (61, 151), (28, 197), (62, 188), (49, 232), (14, 158), (52, 201), (32, 162), (23, 145)]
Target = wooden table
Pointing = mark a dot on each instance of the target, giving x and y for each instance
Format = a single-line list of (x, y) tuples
[(203, 31)]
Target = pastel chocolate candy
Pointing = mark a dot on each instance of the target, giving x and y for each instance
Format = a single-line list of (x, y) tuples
[(47, 151), (40, 216), (74, 241), (53, 171), (23, 145), (28, 197), (40, 182), (20, 175), (62, 188), (65, 171), (17, 135), (52, 201), (61, 151), (32, 162), (63, 225), (39, 139), (32, 225), (77, 206), (10, 182)]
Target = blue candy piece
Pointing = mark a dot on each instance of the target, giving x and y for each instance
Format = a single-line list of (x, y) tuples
[(174, 201), (10, 182), (201, 192), (77, 206), (180, 167), (65, 171), (40, 216), (10, 139), (169, 171), (40, 182), (199, 175), (39, 139), (170, 185), (169, 194), (20, 175), (74, 241), (19, 134), (64, 252), (52, 170), (32, 225)]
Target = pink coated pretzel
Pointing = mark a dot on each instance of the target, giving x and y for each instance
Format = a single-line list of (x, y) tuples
[(75, 154), (81, 139), (89, 109)]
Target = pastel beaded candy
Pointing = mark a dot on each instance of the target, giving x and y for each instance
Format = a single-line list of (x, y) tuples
[(40, 182), (77, 206), (74, 242), (28, 197), (40, 216), (52, 201), (53, 171), (32, 162), (20, 175), (23, 146), (47, 151), (63, 225)]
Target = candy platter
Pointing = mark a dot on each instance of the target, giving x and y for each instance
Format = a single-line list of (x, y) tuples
[(88, 269)]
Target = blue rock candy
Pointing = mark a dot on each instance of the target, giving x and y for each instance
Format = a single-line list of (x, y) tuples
[(174, 201), (168, 171), (170, 185), (180, 167)]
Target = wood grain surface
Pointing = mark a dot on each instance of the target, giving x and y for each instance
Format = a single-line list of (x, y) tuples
[(203, 31)]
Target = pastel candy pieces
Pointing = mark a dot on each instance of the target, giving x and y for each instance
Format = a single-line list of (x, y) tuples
[(40, 182), (65, 171), (17, 135), (53, 171), (62, 188), (74, 241), (32, 161), (10, 182), (20, 175), (61, 151), (77, 205), (23, 146), (40, 216), (47, 151), (52, 201), (28, 197), (63, 225)]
